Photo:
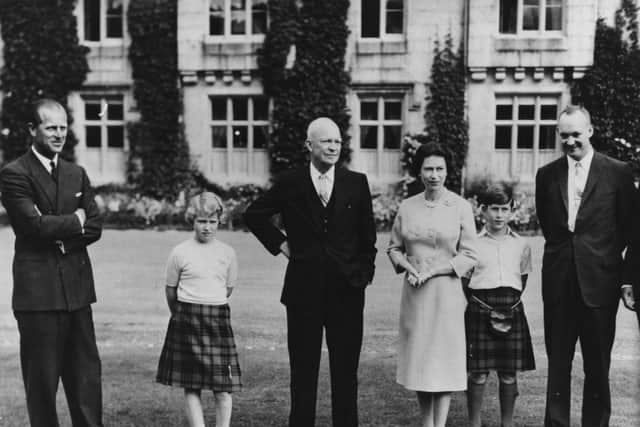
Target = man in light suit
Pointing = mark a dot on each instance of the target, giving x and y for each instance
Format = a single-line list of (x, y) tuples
[(54, 217), (583, 202), (330, 242)]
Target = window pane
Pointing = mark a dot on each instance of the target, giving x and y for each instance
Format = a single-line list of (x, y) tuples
[(503, 137), (392, 137), (218, 108), (115, 111), (216, 17), (368, 137), (553, 18), (259, 17), (260, 136), (525, 136), (508, 16), (394, 23), (260, 108), (93, 137), (531, 15), (219, 136), (368, 110), (114, 19), (393, 110), (548, 112), (526, 112), (240, 111), (370, 18), (115, 136), (92, 20), (91, 111), (547, 137), (238, 17), (504, 112), (240, 139)]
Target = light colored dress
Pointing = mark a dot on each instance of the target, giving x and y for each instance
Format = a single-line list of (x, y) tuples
[(432, 347)]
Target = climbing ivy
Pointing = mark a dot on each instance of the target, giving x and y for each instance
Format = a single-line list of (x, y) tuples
[(159, 162), (42, 58), (314, 84)]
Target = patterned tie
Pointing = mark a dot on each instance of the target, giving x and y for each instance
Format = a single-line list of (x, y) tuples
[(53, 168), (323, 189)]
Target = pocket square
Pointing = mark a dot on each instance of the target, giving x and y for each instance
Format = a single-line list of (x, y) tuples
[(79, 193)]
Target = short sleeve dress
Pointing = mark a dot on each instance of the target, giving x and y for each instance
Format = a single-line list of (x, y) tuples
[(432, 347)]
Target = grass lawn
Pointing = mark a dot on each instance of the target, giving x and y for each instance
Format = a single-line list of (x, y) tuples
[(131, 319)]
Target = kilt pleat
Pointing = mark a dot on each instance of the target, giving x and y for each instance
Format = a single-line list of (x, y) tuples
[(486, 351), (199, 350)]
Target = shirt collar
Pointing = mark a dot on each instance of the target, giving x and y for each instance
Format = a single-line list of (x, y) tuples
[(485, 232), (585, 162), (45, 161), (315, 173)]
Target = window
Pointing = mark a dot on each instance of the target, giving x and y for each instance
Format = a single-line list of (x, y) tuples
[(380, 18), (237, 17), (525, 16), (239, 122), (103, 19), (525, 123), (104, 122), (380, 123)]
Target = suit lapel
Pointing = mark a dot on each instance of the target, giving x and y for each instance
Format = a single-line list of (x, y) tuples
[(314, 204), (595, 170), (339, 193), (43, 179), (562, 180)]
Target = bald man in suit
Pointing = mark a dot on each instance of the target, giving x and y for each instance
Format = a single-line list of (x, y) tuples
[(330, 243)]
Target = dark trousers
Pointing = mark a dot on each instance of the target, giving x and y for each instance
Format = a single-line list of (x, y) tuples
[(54, 345), (341, 317), (565, 322)]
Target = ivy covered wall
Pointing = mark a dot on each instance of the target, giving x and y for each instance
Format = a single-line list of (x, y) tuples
[(302, 65), (42, 58), (159, 162)]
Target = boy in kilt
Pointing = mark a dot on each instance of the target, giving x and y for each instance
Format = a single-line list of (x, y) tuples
[(497, 332), (199, 351)]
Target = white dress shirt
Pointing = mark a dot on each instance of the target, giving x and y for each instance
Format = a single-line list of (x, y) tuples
[(45, 161), (315, 178), (576, 182)]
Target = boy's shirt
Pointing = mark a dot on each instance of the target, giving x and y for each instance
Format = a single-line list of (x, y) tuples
[(501, 261)]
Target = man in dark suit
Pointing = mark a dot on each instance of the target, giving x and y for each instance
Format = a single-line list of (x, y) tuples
[(583, 202), (330, 242), (53, 215), (631, 288)]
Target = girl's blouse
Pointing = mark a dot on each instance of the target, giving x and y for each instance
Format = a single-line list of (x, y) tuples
[(202, 271)]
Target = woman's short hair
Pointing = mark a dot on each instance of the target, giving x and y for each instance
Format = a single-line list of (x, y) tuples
[(204, 204), (496, 193), (428, 150)]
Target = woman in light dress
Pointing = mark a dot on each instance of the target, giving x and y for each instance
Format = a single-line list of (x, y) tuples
[(433, 242)]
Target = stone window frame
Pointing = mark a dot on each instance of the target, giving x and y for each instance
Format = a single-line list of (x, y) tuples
[(542, 6), (382, 12), (227, 21), (103, 19), (104, 122)]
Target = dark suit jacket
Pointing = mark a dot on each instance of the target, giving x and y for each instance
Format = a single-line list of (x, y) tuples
[(632, 259), (347, 239), (41, 212), (600, 234)]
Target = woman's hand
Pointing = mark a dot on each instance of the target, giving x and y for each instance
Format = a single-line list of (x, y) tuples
[(424, 276)]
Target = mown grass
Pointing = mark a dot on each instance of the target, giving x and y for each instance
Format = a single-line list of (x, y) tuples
[(131, 318)]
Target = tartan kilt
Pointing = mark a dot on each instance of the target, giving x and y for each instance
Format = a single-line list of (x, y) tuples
[(199, 351), (486, 351)]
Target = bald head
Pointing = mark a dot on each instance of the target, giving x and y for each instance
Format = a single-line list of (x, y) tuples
[(324, 143), (321, 128)]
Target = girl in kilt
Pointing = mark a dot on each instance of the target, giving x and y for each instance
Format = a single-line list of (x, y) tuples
[(199, 351), (497, 282)]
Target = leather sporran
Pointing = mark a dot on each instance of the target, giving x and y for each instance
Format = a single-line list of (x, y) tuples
[(501, 321)]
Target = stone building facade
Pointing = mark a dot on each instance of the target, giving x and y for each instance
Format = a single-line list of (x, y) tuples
[(521, 56)]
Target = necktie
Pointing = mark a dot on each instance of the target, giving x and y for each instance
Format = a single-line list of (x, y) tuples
[(323, 189), (53, 168), (579, 181)]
